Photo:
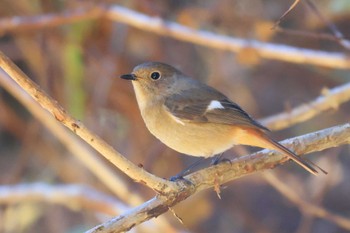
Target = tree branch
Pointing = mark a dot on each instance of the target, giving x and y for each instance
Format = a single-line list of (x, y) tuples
[(67, 193), (30, 23), (172, 193), (72, 143), (219, 174), (330, 99), (133, 171), (70, 196), (306, 206), (180, 32), (75, 197)]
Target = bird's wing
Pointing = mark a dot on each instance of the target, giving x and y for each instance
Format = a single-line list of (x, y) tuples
[(208, 105)]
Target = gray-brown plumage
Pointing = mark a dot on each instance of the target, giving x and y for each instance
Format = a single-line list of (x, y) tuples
[(195, 119)]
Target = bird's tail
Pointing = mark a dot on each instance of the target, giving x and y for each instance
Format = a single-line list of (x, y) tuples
[(258, 138), (306, 164)]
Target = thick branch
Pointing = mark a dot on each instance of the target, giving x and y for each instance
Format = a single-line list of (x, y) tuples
[(330, 99), (130, 169), (224, 172), (180, 32)]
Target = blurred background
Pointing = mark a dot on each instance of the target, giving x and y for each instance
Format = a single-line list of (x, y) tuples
[(79, 65)]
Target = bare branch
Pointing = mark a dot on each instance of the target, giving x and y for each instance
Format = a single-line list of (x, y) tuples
[(67, 195), (224, 172), (209, 39), (330, 99), (27, 23), (133, 171), (75, 197), (180, 32), (305, 206)]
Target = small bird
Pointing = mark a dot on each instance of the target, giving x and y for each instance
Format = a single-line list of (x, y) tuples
[(195, 119)]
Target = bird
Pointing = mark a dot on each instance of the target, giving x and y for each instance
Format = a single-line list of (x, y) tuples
[(195, 119)]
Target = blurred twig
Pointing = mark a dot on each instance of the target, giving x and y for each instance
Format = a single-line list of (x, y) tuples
[(338, 35), (213, 40), (132, 170), (28, 23), (224, 172), (305, 206), (294, 4), (180, 32), (71, 196), (314, 35), (330, 99)]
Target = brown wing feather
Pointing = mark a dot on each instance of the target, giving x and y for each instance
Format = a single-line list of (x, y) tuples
[(192, 105)]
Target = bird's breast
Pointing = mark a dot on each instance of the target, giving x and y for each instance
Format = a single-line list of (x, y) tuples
[(195, 139)]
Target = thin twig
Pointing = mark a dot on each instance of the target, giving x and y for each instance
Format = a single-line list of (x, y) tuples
[(295, 3), (337, 36), (332, 27), (224, 172), (132, 170), (330, 99), (315, 35)]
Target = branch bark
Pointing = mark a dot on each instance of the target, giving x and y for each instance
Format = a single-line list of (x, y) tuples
[(219, 174)]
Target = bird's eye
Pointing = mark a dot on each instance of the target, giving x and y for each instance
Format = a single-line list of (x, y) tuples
[(155, 75)]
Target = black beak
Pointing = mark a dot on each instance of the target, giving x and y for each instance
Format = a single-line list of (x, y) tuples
[(128, 76)]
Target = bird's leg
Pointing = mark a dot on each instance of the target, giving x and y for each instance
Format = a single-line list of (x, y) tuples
[(187, 170), (219, 159)]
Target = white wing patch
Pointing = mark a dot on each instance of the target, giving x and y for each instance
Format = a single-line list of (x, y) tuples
[(177, 119), (214, 104)]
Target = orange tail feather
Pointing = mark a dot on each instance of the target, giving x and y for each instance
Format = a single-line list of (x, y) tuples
[(254, 137)]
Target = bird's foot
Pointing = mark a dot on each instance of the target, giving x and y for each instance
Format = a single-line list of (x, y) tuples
[(179, 178), (219, 159)]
